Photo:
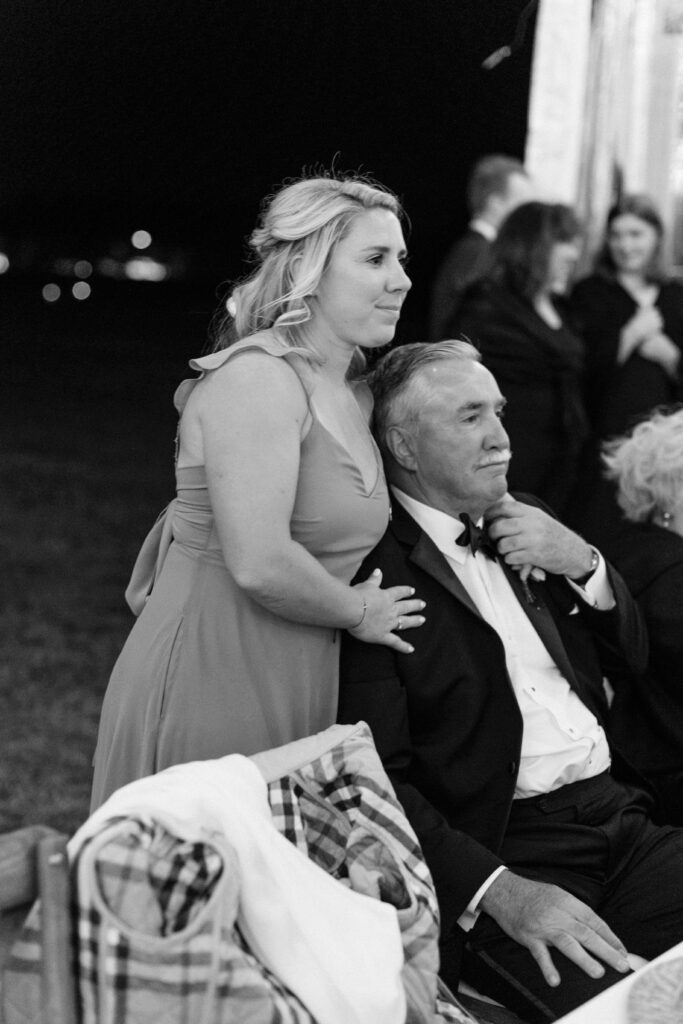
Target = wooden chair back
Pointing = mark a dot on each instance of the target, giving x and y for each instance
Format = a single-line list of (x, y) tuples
[(34, 865)]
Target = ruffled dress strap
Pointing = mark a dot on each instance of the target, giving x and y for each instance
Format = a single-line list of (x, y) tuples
[(265, 342)]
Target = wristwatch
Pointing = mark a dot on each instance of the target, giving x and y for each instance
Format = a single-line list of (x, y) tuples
[(595, 562)]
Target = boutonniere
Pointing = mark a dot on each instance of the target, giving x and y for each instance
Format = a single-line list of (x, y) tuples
[(526, 573)]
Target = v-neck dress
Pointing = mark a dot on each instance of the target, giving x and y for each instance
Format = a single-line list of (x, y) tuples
[(206, 670)]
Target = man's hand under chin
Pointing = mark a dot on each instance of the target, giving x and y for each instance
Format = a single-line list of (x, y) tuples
[(526, 535)]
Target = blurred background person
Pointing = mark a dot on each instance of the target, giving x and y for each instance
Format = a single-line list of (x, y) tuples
[(515, 316), (497, 184), (630, 316), (280, 495), (647, 712)]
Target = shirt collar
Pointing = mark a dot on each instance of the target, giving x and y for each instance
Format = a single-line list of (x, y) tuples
[(484, 228), (443, 529)]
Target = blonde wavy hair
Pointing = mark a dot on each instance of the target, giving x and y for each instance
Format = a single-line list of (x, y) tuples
[(647, 466), (298, 229)]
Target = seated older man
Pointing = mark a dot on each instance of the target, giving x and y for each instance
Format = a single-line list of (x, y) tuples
[(548, 868)]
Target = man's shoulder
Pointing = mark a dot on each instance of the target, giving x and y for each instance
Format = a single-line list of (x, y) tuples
[(395, 544), (469, 243)]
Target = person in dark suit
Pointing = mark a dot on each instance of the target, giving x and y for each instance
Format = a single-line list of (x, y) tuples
[(537, 832), (496, 185), (514, 315), (647, 711)]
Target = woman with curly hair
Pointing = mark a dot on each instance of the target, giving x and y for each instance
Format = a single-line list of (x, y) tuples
[(647, 713), (280, 495)]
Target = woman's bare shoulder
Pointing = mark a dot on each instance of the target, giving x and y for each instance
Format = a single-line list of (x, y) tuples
[(259, 366)]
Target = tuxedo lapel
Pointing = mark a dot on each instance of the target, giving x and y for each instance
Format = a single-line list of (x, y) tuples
[(428, 557), (425, 554), (543, 622)]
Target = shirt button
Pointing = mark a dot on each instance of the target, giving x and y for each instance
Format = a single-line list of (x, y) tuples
[(512, 767)]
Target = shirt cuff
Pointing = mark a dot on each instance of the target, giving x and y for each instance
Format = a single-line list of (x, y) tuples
[(468, 918), (596, 591)]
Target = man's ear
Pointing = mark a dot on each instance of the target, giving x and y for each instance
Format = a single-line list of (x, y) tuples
[(401, 445)]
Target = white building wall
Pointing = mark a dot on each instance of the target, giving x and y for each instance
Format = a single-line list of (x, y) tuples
[(604, 104)]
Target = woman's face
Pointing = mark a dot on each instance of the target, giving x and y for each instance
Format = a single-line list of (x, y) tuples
[(561, 265), (632, 243), (359, 298)]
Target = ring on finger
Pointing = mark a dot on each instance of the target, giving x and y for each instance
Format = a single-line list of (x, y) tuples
[(399, 624)]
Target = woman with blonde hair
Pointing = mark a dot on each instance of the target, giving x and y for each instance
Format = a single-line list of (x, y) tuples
[(647, 713), (280, 495)]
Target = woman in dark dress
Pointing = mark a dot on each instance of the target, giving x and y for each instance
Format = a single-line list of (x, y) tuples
[(631, 319), (514, 315), (647, 712)]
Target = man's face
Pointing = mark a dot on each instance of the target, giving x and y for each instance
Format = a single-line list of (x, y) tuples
[(460, 447), (359, 298)]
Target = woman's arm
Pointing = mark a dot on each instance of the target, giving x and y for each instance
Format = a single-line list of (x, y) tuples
[(253, 415)]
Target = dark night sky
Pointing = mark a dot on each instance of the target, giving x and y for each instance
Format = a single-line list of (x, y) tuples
[(183, 113)]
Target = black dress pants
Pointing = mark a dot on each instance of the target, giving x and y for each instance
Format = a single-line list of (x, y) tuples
[(595, 839)]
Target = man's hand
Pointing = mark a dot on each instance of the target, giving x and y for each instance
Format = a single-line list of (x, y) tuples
[(525, 535), (538, 916)]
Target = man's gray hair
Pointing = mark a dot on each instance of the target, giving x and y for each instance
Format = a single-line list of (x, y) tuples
[(401, 388)]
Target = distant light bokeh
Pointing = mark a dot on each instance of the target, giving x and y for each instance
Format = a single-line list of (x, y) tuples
[(81, 290), (141, 239), (4, 263), (143, 268), (51, 292), (82, 268)]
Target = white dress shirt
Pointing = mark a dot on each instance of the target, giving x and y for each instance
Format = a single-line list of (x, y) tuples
[(562, 740)]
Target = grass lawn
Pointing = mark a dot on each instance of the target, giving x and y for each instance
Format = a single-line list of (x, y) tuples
[(86, 442)]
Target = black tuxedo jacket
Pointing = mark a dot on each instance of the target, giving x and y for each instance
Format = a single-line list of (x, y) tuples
[(445, 718), (647, 714)]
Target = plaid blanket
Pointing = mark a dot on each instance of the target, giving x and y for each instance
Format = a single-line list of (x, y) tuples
[(339, 808), (155, 935)]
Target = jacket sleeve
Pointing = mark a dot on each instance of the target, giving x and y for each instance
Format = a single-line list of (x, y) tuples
[(371, 690), (620, 633), (660, 602)]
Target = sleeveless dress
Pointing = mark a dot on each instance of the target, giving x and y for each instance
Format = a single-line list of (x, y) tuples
[(206, 671)]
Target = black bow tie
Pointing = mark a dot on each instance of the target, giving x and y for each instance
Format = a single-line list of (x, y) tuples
[(476, 537)]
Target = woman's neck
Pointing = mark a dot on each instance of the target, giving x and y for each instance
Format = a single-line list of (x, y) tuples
[(334, 369), (544, 306)]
